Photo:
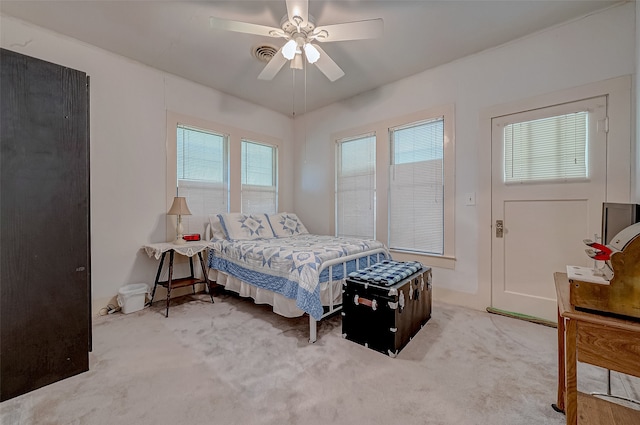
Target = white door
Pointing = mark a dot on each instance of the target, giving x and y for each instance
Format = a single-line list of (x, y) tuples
[(544, 200)]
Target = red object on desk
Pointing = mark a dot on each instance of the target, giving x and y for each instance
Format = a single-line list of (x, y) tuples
[(194, 237)]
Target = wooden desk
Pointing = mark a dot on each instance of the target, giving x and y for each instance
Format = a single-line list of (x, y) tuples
[(599, 340)]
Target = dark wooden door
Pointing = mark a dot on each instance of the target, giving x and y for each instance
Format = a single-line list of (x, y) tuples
[(45, 314)]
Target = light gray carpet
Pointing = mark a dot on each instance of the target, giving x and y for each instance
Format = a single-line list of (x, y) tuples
[(234, 362)]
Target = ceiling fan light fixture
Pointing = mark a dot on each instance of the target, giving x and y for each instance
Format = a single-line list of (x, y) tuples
[(311, 53), (289, 49), (296, 63), (299, 29)]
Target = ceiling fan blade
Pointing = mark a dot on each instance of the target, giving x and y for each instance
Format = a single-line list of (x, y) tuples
[(275, 64), (298, 8), (358, 30), (328, 66), (244, 27)]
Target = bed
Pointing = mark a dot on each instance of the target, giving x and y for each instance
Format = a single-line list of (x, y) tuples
[(274, 260)]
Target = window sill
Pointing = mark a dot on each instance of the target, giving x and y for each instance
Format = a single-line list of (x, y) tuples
[(440, 261)]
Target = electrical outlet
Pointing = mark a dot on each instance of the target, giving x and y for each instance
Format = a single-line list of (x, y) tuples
[(470, 198)]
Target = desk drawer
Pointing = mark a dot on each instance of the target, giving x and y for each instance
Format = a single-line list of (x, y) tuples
[(609, 347)]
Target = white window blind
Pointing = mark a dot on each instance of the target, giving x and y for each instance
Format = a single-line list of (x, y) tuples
[(546, 149), (202, 175), (356, 187), (416, 190), (259, 178)]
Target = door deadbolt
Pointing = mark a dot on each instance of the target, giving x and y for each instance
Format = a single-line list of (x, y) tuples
[(499, 228)]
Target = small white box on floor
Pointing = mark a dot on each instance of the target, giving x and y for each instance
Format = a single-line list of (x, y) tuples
[(132, 297)]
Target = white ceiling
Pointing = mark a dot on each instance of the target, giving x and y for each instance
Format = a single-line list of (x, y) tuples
[(174, 36)]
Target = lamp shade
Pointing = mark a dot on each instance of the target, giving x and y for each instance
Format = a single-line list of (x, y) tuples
[(311, 52), (179, 206), (289, 49)]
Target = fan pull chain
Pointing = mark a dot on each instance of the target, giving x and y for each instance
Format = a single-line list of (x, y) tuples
[(305, 113), (293, 93)]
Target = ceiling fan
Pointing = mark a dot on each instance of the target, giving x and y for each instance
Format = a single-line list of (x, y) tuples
[(299, 29)]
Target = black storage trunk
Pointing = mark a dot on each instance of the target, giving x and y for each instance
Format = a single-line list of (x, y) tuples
[(385, 317)]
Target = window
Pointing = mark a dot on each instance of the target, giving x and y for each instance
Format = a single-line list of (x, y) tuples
[(259, 181), (411, 206), (202, 170), (416, 187), (356, 187), (553, 148)]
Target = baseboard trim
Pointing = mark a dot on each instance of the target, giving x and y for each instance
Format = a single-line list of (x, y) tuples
[(524, 317)]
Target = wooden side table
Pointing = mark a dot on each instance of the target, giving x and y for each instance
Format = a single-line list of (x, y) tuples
[(189, 249), (597, 339)]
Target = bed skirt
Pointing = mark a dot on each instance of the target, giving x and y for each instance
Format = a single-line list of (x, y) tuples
[(281, 305)]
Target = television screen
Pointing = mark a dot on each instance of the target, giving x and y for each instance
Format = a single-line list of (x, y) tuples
[(616, 217)]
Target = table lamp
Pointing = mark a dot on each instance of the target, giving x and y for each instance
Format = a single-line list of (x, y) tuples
[(179, 208)]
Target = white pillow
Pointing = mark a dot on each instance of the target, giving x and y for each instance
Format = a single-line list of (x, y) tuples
[(216, 227), (241, 226), (286, 224)]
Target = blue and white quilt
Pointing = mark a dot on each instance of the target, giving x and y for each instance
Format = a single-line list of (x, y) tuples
[(291, 266)]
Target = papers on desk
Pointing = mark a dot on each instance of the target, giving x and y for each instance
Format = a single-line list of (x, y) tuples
[(586, 274)]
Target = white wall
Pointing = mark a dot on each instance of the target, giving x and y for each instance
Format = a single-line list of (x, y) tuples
[(595, 48), (129, 102)]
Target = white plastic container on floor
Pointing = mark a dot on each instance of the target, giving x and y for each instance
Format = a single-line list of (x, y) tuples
[(132, 297)]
